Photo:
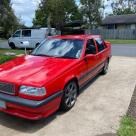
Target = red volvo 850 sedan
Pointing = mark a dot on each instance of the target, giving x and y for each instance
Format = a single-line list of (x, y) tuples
[(36, 85)]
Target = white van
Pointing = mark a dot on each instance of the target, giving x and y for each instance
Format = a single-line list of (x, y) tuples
[(33, 36)]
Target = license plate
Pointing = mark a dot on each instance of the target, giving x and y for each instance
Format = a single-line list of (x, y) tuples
[(2, 104)]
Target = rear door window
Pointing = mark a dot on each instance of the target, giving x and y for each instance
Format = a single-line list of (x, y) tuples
[(100, 44), (26, 33)]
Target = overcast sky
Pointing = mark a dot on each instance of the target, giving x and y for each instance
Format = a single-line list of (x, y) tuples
[(25, 9)]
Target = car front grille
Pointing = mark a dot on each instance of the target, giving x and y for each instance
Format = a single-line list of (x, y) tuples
[(7, 88)]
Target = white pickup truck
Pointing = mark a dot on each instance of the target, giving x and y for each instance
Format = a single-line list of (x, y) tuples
[(33, 36)]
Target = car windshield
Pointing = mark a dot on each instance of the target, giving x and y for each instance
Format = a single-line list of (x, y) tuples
[(62, 48)]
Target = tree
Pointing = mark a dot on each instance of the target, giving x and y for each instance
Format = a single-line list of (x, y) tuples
[(56, 13), (8, 21), (121, 7), (92, 11)]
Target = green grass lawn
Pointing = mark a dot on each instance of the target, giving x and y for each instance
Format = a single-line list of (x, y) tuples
[(121, 41), (12, 51), (127, 127), (4, 58)]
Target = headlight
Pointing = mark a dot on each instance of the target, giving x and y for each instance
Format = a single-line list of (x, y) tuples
[(33, 91)]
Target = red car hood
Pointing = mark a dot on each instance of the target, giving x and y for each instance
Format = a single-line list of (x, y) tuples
[(33, 70)]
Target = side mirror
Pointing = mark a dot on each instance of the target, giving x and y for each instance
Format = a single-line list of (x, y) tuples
[(90, 55)]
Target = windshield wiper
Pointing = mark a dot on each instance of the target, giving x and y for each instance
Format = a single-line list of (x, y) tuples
[(42, 55), (67, 57)]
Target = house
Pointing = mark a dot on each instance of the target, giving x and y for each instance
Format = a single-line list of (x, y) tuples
[(120, 22)]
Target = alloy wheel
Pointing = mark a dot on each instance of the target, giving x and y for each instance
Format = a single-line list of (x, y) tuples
[(70, 94)]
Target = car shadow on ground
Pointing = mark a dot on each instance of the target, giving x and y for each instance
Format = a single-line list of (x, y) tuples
[(29, 126), (24, 125), (89, 83)]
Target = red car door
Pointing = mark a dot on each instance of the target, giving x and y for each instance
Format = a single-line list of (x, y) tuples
[(101, 49), (101, 55), (91, 59)]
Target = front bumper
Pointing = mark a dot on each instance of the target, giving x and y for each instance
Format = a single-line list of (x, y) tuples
[(31, 109)]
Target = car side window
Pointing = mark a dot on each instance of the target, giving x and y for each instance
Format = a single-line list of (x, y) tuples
[(17, 34), (100, 44), (26, 33), (90, 47)]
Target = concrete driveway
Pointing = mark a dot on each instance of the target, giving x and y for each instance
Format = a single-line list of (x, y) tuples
[(98, 110)]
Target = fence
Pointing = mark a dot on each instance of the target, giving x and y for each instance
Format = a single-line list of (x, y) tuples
[(127, 34)]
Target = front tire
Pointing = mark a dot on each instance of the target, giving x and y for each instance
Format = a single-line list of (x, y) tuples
[(70, 96), (12, 46), (37, 45)]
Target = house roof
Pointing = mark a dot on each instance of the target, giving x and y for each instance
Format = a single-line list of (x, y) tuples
[(120, 19)]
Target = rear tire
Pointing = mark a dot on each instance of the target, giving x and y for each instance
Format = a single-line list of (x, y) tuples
[(105, 68), (70, 96), (12, 46), (37, 45)]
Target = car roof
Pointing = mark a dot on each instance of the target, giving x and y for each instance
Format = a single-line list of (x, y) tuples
[(76, 36)]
